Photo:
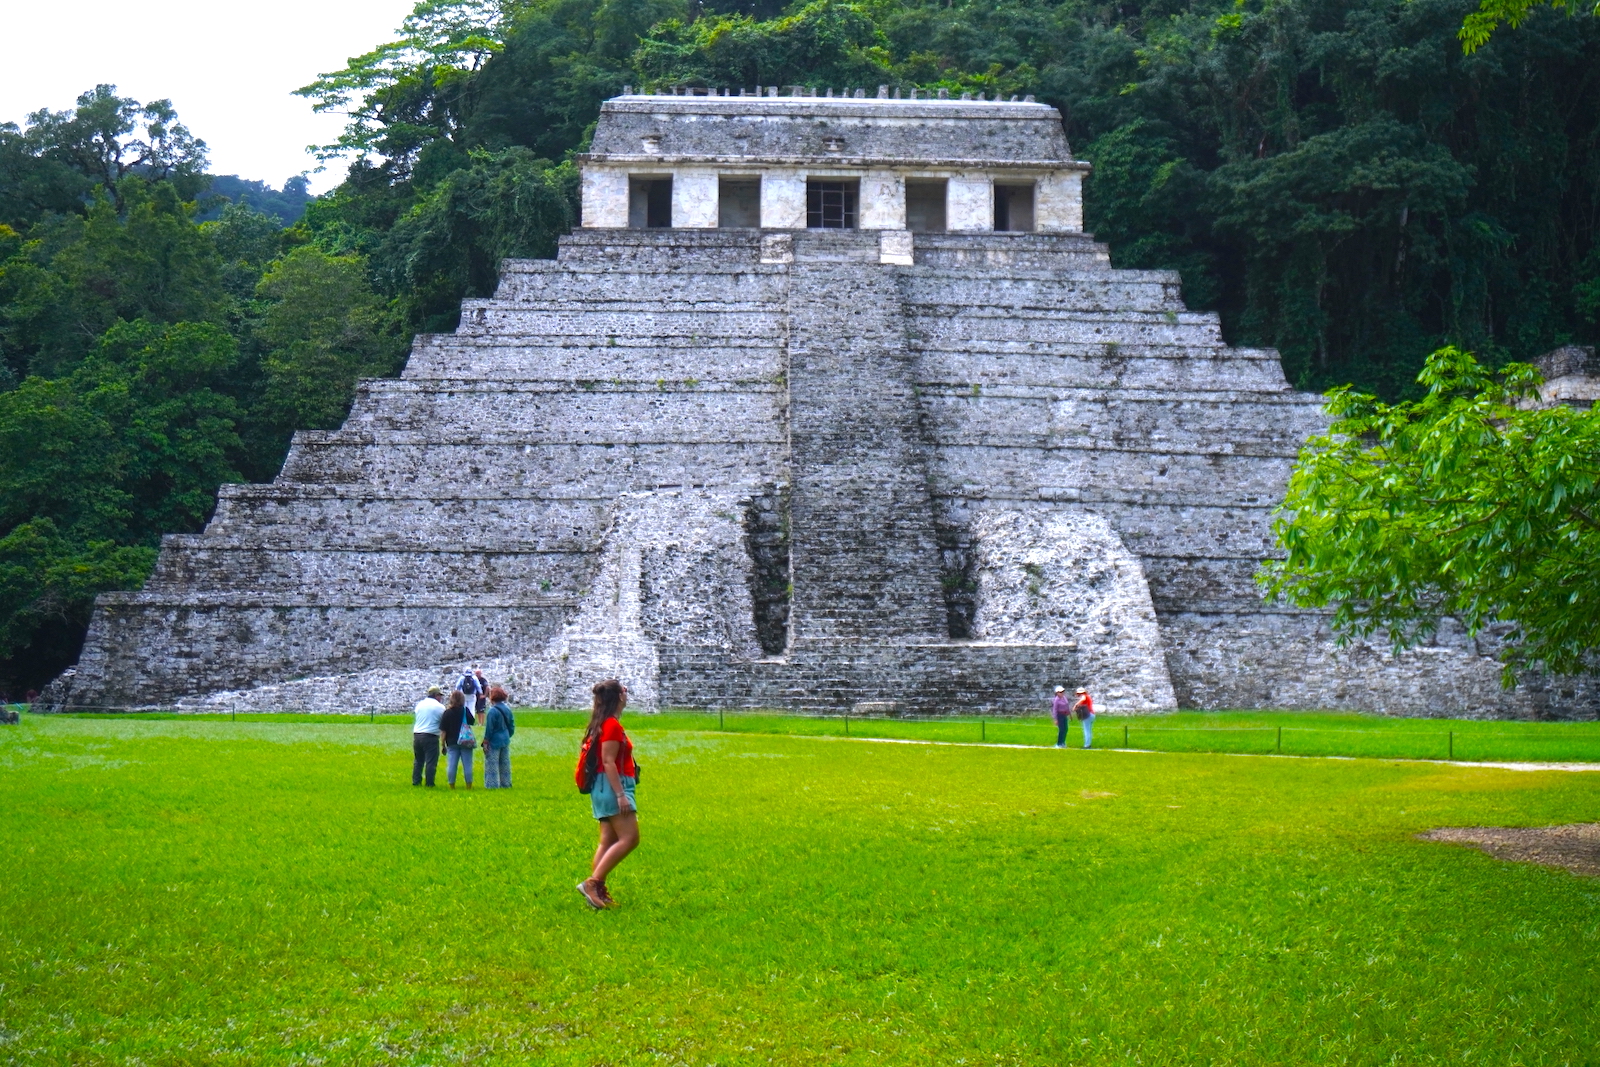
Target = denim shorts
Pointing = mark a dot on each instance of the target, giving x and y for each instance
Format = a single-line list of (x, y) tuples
[(604, 799)]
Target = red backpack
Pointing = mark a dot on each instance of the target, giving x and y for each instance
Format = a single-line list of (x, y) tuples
[(588, 765)]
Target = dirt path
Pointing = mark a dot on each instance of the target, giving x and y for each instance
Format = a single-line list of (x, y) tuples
[(1575, 847), (1509, 766)]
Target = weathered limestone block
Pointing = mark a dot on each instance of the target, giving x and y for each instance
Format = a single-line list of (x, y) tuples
[(832, 675), (1009, 326), (387, 690), (335, 518), (1024, 416), (694, 198), (1216, 577), (1033, 251), (1058, 203), (1046, 293), (601, 468), (1055, 578), (605, 197), (155, 650), (259, 565), (557, 412), (1285, 659), (738, 286), (883, 201), (673, 570), (1091, 366), (746, 129), (783, 201), (969, 204), (683, 320), (1146, 475), (1571, 376), (895, 247)]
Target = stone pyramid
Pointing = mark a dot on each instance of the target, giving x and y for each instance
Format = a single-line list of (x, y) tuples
[(923, 470)]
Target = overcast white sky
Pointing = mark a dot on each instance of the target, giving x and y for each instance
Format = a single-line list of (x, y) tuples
[(229, 70)]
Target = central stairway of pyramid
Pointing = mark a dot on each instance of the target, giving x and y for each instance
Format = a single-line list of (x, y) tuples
[(868, 444)]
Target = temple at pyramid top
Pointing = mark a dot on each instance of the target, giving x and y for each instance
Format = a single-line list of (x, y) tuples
[(792, 159)]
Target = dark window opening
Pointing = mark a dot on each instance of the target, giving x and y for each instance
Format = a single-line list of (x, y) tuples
[(831, 205), (649, 203), (925, 211), (739, 203), (1013, 208)]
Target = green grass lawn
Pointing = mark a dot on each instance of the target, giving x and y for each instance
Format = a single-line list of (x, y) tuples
[(1289, 732), (202, 892)]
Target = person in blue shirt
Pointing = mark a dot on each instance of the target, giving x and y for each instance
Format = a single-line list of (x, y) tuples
[(498, 726)]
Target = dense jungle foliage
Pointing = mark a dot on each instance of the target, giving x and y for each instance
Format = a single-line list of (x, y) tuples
[(1336, 178)]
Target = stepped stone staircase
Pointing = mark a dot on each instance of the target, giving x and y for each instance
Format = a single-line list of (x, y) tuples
[(1005, 467)]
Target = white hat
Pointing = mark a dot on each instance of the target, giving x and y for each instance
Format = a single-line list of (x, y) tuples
[(1061, 689)]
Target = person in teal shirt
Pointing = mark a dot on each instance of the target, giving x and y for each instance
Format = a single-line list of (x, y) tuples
[(498, 726)]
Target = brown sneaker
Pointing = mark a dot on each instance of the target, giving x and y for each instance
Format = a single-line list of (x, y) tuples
[(605, 895), (591, 895)]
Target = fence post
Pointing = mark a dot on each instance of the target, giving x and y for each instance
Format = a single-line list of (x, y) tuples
[(1280, 740), (983, 729), (719, 718), (1124, 735), (1452, 749), (847, 724)]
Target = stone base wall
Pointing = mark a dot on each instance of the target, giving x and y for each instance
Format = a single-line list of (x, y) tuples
[(1284, 659), (157, 652), (832, 676)]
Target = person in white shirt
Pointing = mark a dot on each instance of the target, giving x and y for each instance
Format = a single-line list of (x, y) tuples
[(425, 736)]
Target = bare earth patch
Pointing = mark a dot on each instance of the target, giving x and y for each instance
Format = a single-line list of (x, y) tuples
[(1575, 847)]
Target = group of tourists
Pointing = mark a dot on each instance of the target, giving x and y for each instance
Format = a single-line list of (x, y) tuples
[(607, 770), (1066, 709), (445, 726)]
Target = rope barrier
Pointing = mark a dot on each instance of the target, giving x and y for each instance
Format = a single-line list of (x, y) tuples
[(728, 720)]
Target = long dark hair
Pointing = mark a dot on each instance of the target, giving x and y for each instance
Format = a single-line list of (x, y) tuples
[(607, 703)]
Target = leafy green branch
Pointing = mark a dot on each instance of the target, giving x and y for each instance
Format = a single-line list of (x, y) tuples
[(402, 90), (1476, 502), (1478, 27)]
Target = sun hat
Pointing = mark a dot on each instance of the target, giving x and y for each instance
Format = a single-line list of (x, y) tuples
[(1081, 689), (1061, 689), (435, 691)]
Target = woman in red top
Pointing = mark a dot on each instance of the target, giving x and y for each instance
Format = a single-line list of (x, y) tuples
[(612, 796)]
